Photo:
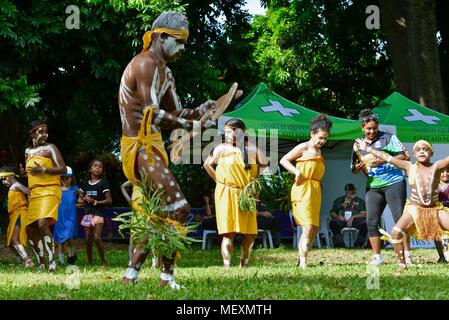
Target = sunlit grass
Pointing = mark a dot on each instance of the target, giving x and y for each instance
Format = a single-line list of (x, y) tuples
[(332, 274)]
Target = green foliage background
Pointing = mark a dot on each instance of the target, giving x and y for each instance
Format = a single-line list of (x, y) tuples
[(316, 53)]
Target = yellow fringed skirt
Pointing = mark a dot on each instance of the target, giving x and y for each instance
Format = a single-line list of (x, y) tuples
[(427, 223)]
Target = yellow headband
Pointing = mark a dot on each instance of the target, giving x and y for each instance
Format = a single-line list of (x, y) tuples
[(423, 142), (178, 34), (7, 174)]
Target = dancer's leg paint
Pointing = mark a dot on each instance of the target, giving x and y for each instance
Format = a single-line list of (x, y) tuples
[(18, 248), (48, 242), (36, 242)]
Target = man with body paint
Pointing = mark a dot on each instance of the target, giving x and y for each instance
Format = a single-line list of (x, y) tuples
[(147, 84), (44, 165)]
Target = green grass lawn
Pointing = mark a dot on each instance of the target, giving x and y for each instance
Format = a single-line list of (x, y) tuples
[(332, 274)]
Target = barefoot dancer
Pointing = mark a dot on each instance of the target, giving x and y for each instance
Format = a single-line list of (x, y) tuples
[(424, 216), (236, 165), (44, 165), (146, 84), (306, 191), (17, 206)]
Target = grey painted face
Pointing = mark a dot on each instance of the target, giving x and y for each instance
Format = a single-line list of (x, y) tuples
[(172, 48)]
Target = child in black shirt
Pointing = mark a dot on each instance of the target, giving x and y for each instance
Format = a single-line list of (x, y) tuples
[(96, 196)]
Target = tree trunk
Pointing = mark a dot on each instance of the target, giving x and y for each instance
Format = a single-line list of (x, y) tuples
[(394, 25), (424, 61), (442, 9), (410, 30)]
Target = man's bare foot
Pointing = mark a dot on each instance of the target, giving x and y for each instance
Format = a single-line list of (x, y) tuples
[(244, 263), (169, 279), (172, 283), (28, 263), (52, 266), (126, 280), (163, 283), (130, 276)]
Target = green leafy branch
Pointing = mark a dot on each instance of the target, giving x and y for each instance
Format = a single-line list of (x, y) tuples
[(247, 197), (151, 227)]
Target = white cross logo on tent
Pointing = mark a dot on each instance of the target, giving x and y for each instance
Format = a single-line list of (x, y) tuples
[(418, 116), (276, 106)]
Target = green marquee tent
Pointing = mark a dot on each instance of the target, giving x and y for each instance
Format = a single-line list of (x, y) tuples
[(411, 121), (264, 109)]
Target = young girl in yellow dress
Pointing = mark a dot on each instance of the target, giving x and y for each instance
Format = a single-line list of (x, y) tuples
[(306, 191), (44, 165), (233, 165), (17, 207)]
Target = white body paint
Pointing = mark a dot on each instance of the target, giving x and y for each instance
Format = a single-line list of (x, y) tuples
[(50, 249), (21, 251), (176, 205), (29, 152)]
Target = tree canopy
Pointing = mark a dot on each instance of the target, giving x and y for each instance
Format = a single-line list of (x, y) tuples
[(316, 53)]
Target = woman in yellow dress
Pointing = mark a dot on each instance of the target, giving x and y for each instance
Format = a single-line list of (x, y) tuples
[(306, 190), (44, 165), (233, 165), (17, 207)]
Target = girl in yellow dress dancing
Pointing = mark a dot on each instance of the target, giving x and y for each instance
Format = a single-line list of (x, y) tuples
[(44, 165), (306, 191), (17, 207), (236, 164)]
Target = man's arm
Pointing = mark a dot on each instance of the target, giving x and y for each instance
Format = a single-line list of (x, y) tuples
[(443, 163), (144, 74), (124, 188), (361, 209), (335, 208), (172, 104)]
